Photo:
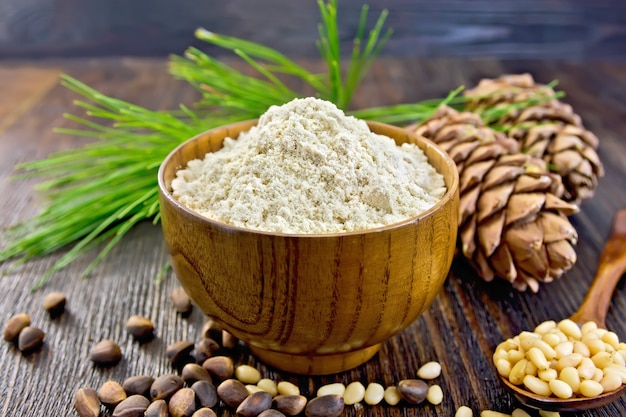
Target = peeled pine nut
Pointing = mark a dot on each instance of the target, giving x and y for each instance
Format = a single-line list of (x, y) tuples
[(253, 388), (530, 368), (392, 395), (618, 359), (515, 355), (610, 382), (527, 339), (374, 393), (247, 374), (617, 370), (596, 346), (518, 412), (586, 369), (598, 375), (537, 357), (581, 348), (491, 413), (287, 388), (545, 413), (335, 388), (464, 411), (434, 395), (545, 327), (611, 339), (588, 327), (536, 385), (564, 349), (518, 372), (268, 386), (504, 367), (548, 374), (354, 393), (429, 370), (570, 376), (572, 360), (560, 388), (590, 388), (552, 339), (602, 359), (545, 348), (570, 328)]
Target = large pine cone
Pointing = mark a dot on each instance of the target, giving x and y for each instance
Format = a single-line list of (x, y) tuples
[(512, 223), (548, 129)]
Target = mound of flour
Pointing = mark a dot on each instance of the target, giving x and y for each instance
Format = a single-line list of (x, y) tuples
[(306, 167)]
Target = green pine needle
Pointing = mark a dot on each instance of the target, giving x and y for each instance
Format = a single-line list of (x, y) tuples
[(97, 193)]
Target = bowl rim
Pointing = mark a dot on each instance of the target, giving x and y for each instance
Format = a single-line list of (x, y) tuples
[(451, 191)]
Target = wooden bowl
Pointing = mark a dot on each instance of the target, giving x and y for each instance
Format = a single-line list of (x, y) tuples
[(310, 303)]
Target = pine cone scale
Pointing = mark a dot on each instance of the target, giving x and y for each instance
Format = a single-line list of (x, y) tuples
[(549, 129), (505, 198)]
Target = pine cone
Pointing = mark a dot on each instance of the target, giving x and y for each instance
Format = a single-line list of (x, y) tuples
[(512, 221), (549, 130)]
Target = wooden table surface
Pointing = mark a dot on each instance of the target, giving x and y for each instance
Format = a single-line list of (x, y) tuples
[(460, 330)]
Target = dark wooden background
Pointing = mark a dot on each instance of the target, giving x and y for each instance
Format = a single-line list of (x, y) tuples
[(460, 329), (544, 29)]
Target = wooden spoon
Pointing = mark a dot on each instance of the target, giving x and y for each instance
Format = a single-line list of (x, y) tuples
[(611, 267)]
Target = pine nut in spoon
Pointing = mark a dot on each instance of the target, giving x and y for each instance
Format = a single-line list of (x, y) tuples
[(594, 308)]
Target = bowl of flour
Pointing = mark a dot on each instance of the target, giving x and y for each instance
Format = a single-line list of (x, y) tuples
[(309, 234)]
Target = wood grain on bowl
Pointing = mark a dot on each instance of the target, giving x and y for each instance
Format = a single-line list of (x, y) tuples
[(316, 303)]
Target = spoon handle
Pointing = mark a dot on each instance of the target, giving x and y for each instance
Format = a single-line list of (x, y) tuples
[(611, 266)]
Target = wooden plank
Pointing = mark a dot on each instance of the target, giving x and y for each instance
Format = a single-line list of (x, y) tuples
[(460, 329), (21, 88), (573, 29)]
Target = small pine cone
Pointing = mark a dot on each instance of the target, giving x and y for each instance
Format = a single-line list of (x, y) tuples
[(549, 130), (512, 221)]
